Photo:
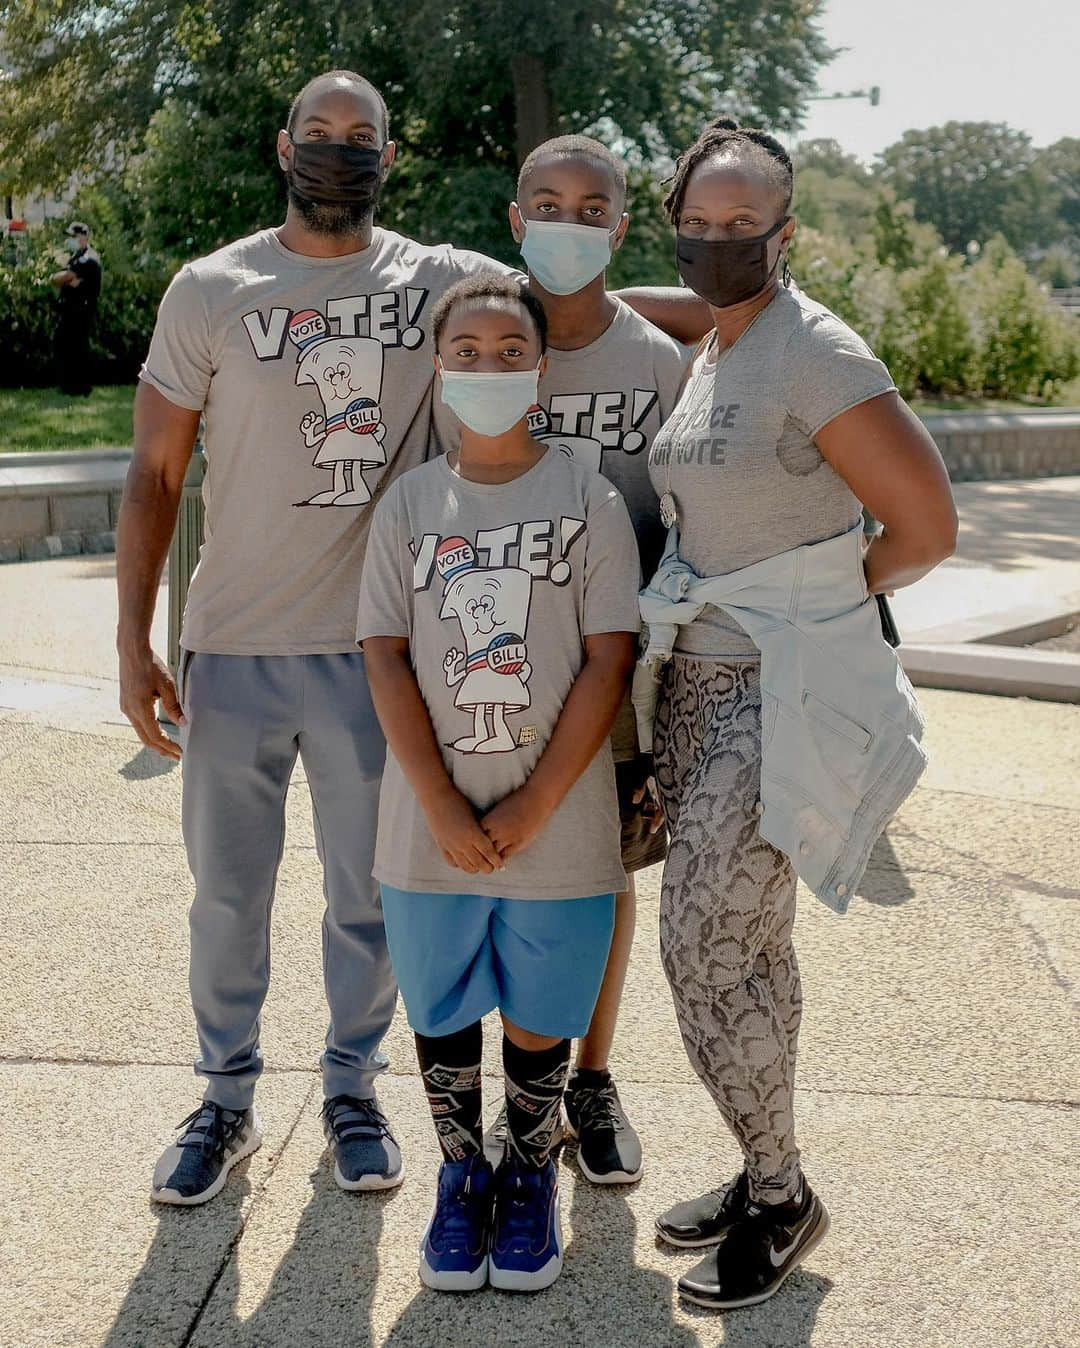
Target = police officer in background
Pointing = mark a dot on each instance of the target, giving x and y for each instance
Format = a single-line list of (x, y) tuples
[(79, 284)]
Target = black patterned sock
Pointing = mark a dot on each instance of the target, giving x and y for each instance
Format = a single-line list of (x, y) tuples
[(534, 1088), (450, 1067)]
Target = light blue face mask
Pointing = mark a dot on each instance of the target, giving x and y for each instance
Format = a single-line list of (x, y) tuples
[(565, 258), (489, 404)]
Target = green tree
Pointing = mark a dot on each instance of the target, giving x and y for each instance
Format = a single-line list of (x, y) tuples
[(970, 180), (186, 95), (1061, 164)]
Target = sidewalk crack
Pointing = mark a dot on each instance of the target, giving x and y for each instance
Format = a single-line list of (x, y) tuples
[(231, 1247)]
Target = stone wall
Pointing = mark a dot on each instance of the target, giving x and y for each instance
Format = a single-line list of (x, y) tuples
[(56, 505), (52, 505), (991, 446)]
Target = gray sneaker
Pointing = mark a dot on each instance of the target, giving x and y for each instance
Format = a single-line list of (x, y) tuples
[(495, 1141), (366, 1156), (211, 1141)]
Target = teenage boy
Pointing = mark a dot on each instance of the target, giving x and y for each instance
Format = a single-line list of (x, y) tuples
[(610, 381), (497, 616)]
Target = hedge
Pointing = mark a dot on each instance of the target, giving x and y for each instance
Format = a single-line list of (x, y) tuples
[(28, 312)]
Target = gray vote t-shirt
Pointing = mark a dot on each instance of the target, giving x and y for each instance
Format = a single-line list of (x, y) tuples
[(496, 587), (601, 405), (314, 376), (738, 452)]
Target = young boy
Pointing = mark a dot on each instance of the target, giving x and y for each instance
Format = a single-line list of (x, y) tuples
[(497, 615), (610, 381)]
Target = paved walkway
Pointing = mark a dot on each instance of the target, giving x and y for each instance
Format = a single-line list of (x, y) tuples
[(1018, 556), (938, 1105)]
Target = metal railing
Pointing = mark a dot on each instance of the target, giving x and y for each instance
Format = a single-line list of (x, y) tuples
[(184, 550)]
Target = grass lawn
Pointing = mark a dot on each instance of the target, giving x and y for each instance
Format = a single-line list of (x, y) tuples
[(42, 418)]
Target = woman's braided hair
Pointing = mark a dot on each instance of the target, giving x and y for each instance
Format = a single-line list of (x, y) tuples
[(727, 135)]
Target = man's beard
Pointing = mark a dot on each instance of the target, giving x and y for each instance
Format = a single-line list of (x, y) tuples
[(339, 220)]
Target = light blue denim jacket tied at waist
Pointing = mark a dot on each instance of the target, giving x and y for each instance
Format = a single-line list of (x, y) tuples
[(840, 729)]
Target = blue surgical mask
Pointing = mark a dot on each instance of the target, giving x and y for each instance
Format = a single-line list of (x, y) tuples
[(489, 404), (565, 258)]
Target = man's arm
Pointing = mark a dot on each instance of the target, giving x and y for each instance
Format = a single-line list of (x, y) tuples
[(673, 309), (583, 725), (405, 722), (60, 279), (164, 438)]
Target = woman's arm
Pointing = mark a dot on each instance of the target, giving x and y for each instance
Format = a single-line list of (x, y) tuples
[(404, 718), (673, 309), (583, 725), (886, 456)]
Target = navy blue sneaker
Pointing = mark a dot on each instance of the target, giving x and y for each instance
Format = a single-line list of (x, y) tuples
[(211, 1141), (454, 1251), (365, 1153), (526, 1243)]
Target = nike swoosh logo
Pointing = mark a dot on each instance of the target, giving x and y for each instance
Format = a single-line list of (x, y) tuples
[(777, 1257)]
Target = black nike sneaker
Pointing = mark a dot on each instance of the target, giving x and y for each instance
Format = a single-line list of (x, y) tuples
[(758, 1251), (704, 1220)]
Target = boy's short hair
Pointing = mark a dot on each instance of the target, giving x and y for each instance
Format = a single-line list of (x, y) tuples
[(574, 147), (489, 285)]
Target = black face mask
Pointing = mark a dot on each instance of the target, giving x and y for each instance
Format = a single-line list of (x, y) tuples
[(335, 175), (727, 271)]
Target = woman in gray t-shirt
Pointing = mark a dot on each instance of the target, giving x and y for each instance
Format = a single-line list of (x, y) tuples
[(786, 427)]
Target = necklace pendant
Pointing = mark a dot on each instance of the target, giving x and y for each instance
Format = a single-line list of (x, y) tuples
[(669, 511)]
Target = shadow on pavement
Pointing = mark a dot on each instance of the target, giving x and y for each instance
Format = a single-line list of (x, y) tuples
[(321, 1292), (884, 882), (146, 764), (1006, 529)]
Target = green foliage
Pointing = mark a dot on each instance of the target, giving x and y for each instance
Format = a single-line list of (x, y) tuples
[(1024, 346), (28, 312), (185, 96), (942, 327), (970, 180)]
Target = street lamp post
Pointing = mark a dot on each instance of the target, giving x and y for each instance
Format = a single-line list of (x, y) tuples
[(872, 95)]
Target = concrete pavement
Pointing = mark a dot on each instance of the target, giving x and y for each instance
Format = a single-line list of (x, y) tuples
[(938, 1106)]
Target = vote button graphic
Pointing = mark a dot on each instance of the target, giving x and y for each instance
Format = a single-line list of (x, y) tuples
[(506, 654), (362, 416)]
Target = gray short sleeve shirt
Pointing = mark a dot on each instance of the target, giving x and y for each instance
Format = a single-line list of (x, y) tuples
[(738, 451), (496, 587), (314, 378)]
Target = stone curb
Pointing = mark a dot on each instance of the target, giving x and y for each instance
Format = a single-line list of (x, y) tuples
[(68, 544), (1007, 671)]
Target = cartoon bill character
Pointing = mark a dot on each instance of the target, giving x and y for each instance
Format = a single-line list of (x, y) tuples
[(581, 448), (348, 434), (491, 605)]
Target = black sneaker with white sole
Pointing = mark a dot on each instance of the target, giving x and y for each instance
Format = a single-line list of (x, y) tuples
[(211, 1141), (704, 1220), (608, 1148), (758, 1251), (366, 1156)]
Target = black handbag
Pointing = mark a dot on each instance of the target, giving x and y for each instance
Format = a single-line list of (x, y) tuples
[(889, 629)]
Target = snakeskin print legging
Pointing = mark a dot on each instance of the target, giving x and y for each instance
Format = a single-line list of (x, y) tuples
[(726, 913)]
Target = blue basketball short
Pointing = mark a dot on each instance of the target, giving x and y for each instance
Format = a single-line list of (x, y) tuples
[(459, 956)]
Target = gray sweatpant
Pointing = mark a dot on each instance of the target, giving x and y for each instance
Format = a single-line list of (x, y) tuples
[(248, 718), (727, 907)]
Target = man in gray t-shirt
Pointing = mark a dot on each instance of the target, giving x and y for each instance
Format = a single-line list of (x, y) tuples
[(306, 350)]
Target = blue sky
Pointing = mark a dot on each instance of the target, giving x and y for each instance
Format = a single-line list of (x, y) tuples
[(944, 60)]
